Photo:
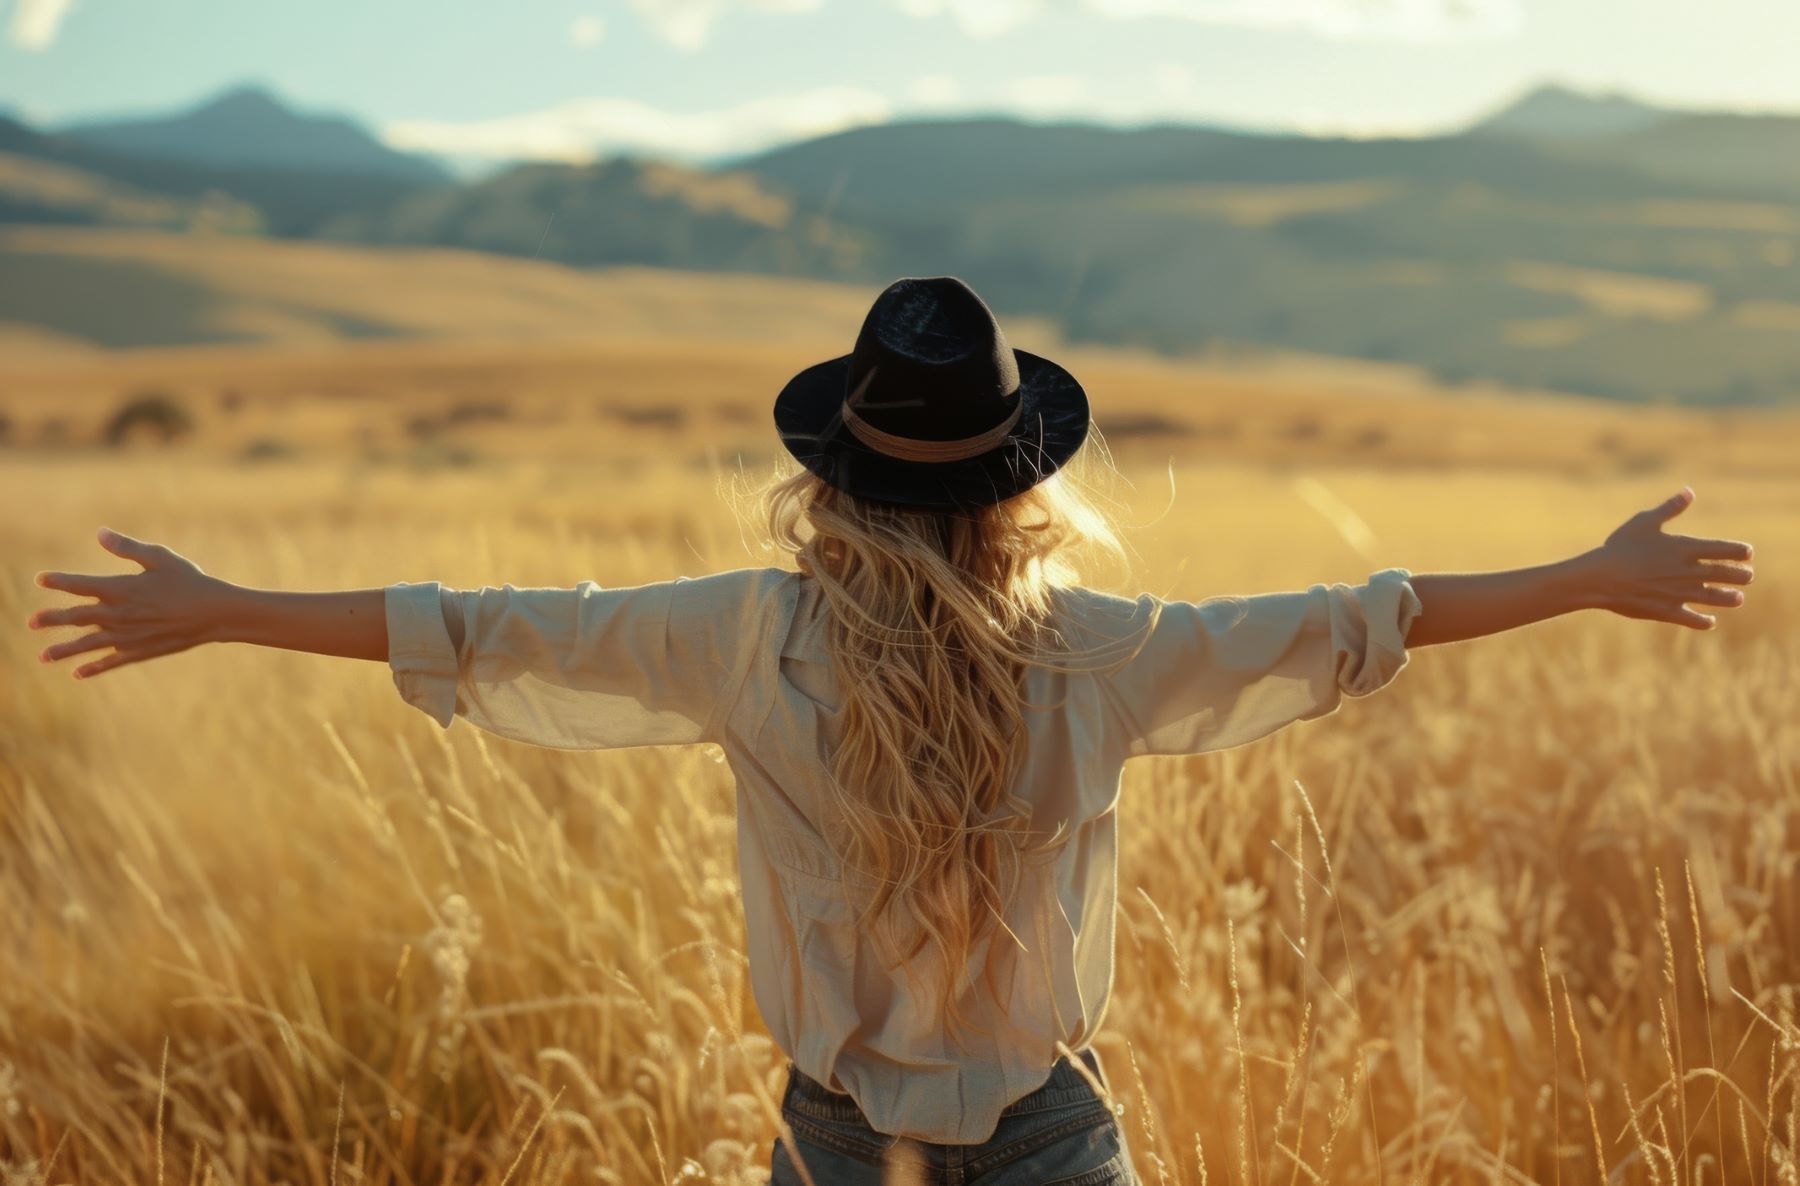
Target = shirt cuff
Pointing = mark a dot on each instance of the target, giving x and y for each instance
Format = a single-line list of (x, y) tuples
[(1389, 606), (420, 652)]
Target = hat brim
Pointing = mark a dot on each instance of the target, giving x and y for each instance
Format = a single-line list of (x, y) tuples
[(1053, 423)]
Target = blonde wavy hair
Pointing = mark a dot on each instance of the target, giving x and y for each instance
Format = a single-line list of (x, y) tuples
[(935, 617)]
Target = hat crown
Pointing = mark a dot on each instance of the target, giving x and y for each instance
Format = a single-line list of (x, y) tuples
[(931, 363), (932, 409)]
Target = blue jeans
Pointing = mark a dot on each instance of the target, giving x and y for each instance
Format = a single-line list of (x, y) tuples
[(1062, 1134)]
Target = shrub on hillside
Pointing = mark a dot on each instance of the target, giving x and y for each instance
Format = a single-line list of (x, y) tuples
[(151, 414)]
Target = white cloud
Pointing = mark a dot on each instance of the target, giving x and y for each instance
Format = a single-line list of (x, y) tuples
[(1384, 20), (1174, 80), (1315, 121), (978, 18), (588, 128), (687, 24), (585, 32), (35, 23), (934, 90), (1048, 94), (1387, 20)]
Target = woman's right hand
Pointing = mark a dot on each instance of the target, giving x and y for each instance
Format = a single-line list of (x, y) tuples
[(1643, 572), (168, 607)]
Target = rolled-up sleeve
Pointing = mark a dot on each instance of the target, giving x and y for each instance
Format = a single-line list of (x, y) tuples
[(582, 667), (421, 653), (1230, 670)]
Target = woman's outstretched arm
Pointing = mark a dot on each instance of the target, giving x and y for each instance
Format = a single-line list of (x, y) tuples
[(1640, 572), (172, 605), (582, 667)]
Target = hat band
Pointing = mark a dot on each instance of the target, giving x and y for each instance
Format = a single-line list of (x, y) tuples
[(914, 449)]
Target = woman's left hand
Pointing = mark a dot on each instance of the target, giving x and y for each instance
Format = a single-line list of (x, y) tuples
[(1643, 572)]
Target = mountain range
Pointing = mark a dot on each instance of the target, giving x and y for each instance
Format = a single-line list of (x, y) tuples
[(1586, 243), (290, 173)]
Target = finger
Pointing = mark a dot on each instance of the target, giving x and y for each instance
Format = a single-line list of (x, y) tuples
[(1696, 548), (82, 584), (1694, 619), (1662, 609), (120, 544), (87, 614), (1676, 503), (1724, 573), (91, 641), (1708, 595), (121, 659)]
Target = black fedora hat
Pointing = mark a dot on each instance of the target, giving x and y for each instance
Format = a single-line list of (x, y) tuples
[(932, 408)]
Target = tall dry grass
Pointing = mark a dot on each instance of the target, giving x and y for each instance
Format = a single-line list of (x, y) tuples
[(1530, 915)]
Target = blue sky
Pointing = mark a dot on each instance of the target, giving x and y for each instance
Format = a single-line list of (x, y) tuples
[(701, 78)]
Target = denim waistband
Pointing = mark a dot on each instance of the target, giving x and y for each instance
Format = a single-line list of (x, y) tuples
[(1066, 1085)]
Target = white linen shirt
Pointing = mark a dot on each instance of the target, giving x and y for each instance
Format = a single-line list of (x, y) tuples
[(738, 658)]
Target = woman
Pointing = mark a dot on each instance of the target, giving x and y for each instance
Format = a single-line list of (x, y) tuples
[(927, 723)]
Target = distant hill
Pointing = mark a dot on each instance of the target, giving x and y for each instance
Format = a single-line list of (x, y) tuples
[(1749, 155), (1577, 264), (127, 288), (53, 179), (1744, 155), (33, 190), (15, 136), (249, 128), (910, 167), (1586, 243), (623, 211), (196, 157), (1562, 113), (906, 170)]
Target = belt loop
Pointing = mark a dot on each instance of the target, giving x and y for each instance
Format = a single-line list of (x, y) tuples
[(1093, 1060)]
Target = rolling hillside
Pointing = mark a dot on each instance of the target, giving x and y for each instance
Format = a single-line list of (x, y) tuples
[(1590, 244), (33, 190), (296, 171), (120, 289), (624, 211), (249, 127)]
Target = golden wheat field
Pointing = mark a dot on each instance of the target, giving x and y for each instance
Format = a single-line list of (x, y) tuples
[(1532, 914)]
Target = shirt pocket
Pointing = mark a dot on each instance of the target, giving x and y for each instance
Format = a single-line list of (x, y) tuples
[(811, 879)]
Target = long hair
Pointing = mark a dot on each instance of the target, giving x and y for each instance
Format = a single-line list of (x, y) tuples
[(935, 617)]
